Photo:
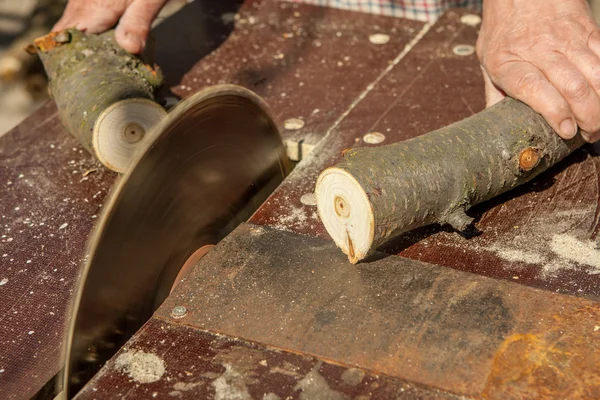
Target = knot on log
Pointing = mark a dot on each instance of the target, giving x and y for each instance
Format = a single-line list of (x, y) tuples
[(104, 95), (436, 177), (529, 158)]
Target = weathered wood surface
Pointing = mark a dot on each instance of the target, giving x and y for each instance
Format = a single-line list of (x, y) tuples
[(307, 62), (377, 193), (429, 87), (540, 234), (203, 365), (455, 331), (53, 190)]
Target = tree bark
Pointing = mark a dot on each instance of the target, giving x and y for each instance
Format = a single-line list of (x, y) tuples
[(377, 193), (105, 95)]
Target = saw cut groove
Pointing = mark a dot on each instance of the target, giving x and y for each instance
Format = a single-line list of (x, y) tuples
[(376, 193)]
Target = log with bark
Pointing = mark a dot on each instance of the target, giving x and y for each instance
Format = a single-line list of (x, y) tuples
[(377, 193), (105, 95)]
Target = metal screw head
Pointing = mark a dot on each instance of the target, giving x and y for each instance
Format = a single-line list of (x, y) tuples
[(463, 50), (178, 312), (374, 137)]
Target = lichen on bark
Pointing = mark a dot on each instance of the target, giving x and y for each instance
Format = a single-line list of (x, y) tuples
[(88, 73), (436, 177)]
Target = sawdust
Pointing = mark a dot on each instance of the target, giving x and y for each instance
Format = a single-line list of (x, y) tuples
[(240, 364), (296, 218), (271, 396), (353, 376), (185, 386), (555, 253), (573, 249), (515, 255), (314, 386), (231, 385), (309, 199), (142, 367)]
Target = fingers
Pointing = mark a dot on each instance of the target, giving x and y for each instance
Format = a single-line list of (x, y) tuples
[(133, 28), (577, 80), (588, 63), (90, 16), (492, 93), (525, 82)]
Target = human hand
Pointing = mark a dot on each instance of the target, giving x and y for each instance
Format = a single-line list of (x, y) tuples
[(96, 16), (545, 53)]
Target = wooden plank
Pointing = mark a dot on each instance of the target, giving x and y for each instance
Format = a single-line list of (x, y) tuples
[(541, 234), (203, 365), (436, 326)]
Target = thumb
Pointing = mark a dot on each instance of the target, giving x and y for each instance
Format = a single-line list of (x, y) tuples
[(134, 25), (492, 93)]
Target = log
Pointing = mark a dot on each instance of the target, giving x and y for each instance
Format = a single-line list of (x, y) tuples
[(377, 193), (104, 95)]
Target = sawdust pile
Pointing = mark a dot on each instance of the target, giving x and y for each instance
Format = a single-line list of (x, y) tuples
[(142, 367), (558, 242), (573, 249), (314, 386)]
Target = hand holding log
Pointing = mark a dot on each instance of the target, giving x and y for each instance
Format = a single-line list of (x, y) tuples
[(380, 192), (105, 95)]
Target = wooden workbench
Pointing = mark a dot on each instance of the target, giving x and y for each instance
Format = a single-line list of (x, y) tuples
[(275, 310)]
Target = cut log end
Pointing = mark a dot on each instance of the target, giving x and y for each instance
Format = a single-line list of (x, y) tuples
[(346, 212), (121, 131)]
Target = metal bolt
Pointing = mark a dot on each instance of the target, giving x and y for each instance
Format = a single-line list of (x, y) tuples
[(379, 38), (178, 312), (293, 124), (374, 137), (463, 50), (470, 19)]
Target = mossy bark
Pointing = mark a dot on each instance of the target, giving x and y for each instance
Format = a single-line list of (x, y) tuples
[(89, 73), (434, 178)]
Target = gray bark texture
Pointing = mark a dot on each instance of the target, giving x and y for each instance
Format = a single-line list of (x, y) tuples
[(88, 73), (436, 177)]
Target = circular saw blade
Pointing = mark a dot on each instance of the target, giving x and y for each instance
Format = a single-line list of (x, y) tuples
[(212, 162)]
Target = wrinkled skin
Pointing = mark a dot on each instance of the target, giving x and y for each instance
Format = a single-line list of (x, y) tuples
[(545, 53)]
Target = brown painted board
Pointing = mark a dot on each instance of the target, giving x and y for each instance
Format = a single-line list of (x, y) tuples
[(307, 62), (42, 168), (52, 191), (541, 234), (186, 363), (455, 331)]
